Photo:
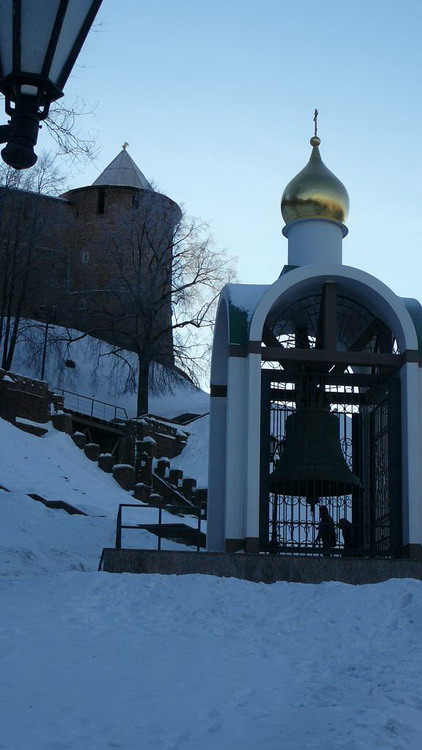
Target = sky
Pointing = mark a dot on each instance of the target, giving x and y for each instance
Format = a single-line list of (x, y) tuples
[(216, 100)]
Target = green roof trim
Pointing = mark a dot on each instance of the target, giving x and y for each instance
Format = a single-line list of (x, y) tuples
[(243, 300), (239, 325), (286, 269)]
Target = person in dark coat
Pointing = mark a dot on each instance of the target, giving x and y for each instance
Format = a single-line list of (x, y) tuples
[(347, 533), (326, 530)]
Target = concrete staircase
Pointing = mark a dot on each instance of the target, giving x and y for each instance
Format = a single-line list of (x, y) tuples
[(137, 452)]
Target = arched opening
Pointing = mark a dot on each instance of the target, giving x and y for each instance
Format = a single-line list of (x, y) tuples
[(330, 421)]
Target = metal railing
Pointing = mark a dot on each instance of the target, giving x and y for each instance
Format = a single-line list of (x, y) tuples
[(170, 493), (160, 527), (91, 406)]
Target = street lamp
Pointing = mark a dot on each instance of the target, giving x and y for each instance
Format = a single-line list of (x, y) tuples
[(39, 43)]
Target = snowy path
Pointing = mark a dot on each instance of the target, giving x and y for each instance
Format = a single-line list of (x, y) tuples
[(94, 661), (100, 661)]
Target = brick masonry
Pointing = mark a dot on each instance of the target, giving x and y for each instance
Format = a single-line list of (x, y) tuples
[(81, 247), (26, 398)]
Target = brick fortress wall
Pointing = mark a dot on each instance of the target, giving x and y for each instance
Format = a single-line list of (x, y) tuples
[(83, 264)]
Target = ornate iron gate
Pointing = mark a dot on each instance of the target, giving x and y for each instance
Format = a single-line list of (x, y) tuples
[(363, 519)]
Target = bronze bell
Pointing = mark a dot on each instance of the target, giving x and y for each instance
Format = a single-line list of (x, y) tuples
[(312, 464)]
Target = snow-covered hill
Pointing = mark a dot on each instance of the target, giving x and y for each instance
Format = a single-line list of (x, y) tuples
[(52, 467), (98, 661), (92, 376), (97, 373)]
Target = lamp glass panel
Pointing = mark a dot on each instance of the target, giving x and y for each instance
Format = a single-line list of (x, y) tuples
[(6, 37), (37, 25), (75, 16), (29, 90)]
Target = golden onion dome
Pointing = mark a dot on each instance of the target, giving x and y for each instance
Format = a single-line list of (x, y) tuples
[(315, 193)]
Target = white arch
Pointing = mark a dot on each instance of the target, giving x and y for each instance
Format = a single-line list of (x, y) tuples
[(368, 290), (236, 420)]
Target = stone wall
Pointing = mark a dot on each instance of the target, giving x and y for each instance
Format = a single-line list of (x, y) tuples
[(26, 398), (258, 568), (166, 439)]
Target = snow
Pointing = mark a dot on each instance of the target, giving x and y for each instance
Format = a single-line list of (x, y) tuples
[(184, 398), (96, 382), (97, 660), (35, 540), (53, 467), (193, 460), (246, 296), (121, 661), (94, 377)]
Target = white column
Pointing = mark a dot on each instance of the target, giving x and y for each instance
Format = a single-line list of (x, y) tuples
[(236, 447), (254, 447), (314, 241), (410, 376), (216, 475)]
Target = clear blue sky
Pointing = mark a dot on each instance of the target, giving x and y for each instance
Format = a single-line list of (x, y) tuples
[(216, 99)]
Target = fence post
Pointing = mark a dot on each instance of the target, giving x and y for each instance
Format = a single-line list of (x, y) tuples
[(160, 514), (198, 545), (119, 529)]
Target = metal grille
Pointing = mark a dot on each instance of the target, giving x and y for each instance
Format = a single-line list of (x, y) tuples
[(380, 483), (298, 325), (364, 522)]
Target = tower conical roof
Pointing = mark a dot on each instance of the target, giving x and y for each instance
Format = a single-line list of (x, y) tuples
[(315, 192), (123, 171)]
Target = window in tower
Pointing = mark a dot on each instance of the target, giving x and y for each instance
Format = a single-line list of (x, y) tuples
[(101, 200)]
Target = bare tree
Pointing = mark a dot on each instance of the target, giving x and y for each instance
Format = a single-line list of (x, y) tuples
[(63, 124), (45, 177), (25, 229), (159, 299)]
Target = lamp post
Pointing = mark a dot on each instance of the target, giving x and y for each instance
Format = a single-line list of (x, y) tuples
[(39, 44)]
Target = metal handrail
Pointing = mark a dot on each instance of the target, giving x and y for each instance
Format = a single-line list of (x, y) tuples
[(165, 488), (93, 402), (119, 525)]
